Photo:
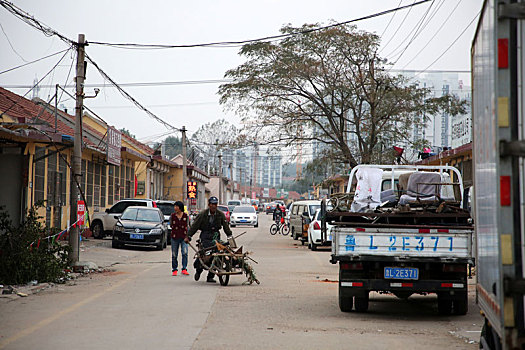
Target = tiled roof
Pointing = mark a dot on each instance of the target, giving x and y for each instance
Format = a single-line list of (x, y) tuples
[(26, 112)]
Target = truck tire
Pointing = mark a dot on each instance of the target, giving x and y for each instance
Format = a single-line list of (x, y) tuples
[(345, 303), (361, 303), (444, 305), (98, 230), (294, 235), (460, 304)]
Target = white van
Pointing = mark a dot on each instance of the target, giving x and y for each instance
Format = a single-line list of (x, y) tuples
[(302, 213)]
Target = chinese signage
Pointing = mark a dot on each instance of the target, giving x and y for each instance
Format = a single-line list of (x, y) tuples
[(192, 189), (461, 131), (114, 142), (81, 210)]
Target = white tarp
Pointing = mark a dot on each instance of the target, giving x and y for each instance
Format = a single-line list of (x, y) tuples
[(368, 190)]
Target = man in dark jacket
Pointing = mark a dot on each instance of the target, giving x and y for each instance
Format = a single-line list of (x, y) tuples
[(209, 221)]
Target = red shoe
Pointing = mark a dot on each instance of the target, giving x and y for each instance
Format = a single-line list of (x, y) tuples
[(185, 272), (174, 273)]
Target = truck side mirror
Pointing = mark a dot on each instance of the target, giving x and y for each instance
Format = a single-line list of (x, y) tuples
[(107, 210)]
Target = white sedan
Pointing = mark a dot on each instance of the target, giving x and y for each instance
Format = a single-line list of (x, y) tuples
[(244, 215), (314, 232)]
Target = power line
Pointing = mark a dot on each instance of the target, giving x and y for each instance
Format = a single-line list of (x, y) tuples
[(140, 84), (397, 30), (436, 33), (267, 38), (10, 44), (31, 62), (452, 44), (33, 22), (128, 96), (52, 69)]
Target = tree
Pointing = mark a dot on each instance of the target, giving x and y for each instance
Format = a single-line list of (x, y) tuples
[(211, 138), (172, 146), (127, 132), (331, 86)]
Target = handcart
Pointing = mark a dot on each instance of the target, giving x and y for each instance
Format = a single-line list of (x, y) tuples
[(226, 259)]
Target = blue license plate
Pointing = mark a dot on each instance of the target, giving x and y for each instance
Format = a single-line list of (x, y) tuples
[(136, 236), (402, 273), (244, 220)]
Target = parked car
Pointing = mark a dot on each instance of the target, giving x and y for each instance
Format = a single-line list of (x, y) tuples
[(244, 215), (226, 210), (314, 232), (102, 223), (301, 214), (140, 226), (270, 207), (167, 208)]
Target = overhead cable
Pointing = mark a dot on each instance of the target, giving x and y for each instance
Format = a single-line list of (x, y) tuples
[(31, 62), (452, 44), (128, 96), (38, 82), (267, 38)]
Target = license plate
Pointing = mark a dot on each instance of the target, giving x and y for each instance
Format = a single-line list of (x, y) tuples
[(136, 236), (244, 220), (402, 273)]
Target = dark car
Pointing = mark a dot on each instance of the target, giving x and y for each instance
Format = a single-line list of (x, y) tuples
[(140, 226), (270, 207), (226, 210)]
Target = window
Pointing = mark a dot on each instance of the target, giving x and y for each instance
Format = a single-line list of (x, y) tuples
[(62, 168), (96, 188), (111, 175), (122, 181), (295, 209), (103, 186), (52, 192), (89, 183), (40, 173)]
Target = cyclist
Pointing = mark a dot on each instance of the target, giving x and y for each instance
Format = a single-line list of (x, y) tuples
[(277, 214)]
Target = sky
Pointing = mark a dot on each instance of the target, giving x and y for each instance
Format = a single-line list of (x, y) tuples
[(194, 22)]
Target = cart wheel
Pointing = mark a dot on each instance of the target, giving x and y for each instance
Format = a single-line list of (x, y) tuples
[(226, 265), (273, 229), (285, 230)]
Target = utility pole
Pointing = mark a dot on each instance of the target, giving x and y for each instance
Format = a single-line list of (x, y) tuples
[(77, 148), (184, 169), (220, 177)]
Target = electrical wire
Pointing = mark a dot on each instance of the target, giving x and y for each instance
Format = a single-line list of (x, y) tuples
[(399, 27), (267, 38), (31, 89), (418, 28), (391, 18), (140, 84), (433, 36), (452, 44), (128, 96), (33, 22), (31, 62), (10, 44)]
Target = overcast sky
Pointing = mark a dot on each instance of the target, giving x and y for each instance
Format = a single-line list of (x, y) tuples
[(190, 22)]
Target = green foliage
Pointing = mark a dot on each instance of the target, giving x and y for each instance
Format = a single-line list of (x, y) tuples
[(20, 263), (172, 146), (127, 132)]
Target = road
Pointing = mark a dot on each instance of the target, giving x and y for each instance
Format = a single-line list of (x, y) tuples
[(139, 305)]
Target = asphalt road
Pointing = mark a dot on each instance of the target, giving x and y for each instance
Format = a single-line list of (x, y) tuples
[(139, 305)]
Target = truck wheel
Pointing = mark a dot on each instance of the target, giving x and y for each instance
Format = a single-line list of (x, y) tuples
[(345, 303), (294, 235), (98, 230), (361, 303), (314, 247), (444, 305), (460, 304)]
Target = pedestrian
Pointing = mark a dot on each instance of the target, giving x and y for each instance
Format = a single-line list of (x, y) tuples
[(209, 222), (179, 230)]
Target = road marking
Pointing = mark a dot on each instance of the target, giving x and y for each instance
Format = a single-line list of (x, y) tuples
[(68, 310)]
